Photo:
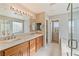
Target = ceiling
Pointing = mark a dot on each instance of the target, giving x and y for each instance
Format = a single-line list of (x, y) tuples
[(48, 8)]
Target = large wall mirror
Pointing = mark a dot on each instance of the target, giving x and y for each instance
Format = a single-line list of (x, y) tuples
[(17, 26), (9, 26)]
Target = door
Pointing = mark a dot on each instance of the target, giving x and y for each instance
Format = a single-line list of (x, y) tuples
[(55, 31), (75, 31), (73, 42)]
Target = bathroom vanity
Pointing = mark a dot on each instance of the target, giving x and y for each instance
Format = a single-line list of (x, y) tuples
[(13, 38), (24, 46)]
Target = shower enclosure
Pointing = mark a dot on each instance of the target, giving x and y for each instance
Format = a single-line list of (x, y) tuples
[(73, 41)]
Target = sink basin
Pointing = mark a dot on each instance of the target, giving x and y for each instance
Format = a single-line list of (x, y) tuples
[(30, 36), (6, 41)]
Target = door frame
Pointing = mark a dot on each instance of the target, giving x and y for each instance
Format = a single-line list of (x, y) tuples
[(52, 30), (46, 29)]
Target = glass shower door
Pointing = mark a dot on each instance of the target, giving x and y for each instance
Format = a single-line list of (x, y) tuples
[(75, 34), (73, 43)]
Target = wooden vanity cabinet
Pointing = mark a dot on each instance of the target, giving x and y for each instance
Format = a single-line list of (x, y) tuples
[(27, 48), (39, 42), (13, 51), (32, 46), (19, 50), (1, 53), (36, 44)]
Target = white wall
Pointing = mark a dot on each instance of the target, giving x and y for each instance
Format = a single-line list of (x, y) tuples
[(49, 30), (26, 25), (5, 11), (64, 34)]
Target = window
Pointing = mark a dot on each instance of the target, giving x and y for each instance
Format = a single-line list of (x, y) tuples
[(56, 24), (17, 27)]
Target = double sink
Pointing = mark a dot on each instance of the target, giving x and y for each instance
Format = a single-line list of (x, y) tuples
[(13, 38), (7, 39)]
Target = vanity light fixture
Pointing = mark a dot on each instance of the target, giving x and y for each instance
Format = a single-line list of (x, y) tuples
[(19, 12)]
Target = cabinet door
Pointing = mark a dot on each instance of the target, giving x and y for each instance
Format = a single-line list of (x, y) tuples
[(13, 51), (32, 47), (1, 53), (39, 42), (19, 50), (25, 49)]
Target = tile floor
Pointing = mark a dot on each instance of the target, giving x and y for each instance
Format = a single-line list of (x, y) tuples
[(51, 49)]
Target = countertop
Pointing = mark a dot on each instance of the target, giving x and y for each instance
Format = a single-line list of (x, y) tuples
[(25, 38)]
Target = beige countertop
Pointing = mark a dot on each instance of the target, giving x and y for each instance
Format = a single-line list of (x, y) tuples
[(24, 38)]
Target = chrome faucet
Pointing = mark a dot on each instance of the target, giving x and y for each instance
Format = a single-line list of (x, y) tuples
[(10, 37)]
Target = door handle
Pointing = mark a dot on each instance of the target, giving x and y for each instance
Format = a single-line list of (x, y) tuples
[(76, 45), (69, 43), (67, 54)]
